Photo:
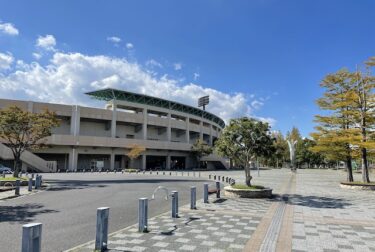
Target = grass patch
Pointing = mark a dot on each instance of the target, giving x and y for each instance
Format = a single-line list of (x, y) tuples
[(359, 183), (12, 179), (130, 170), (245, 187)]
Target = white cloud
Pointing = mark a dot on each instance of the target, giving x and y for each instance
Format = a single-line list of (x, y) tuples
[(37, 56), (47, 42), (153, 63), (114, 39), (196, 76), (9, 29), (68, 75), (177, 66), (257, 104), (6, 60), (129, 45)]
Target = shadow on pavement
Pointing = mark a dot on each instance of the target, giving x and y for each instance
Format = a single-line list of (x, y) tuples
[(22, 213), (317, 202)]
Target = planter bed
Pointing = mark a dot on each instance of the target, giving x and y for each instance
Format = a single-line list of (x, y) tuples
[(248, 193), (357, 186)]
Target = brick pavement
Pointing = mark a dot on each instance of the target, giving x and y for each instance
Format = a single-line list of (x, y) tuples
[(312, 213)]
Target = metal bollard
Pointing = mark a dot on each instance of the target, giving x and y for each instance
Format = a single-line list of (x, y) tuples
[(17, 191), (222, 179), (101, 239), (157, 172), (199, 174), (205, 193), (226, 179), (218, 189), (32, 175), (193, 197), (218, 178), (170, 173), (176, 173), (188, 174), (214, 177), (163, 173), (209, 176), (36, 186), (30, 185), (3, 174), (182, 173), (174, 204), (31, 237), (142, 215)]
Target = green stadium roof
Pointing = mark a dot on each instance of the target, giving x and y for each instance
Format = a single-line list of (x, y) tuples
[(110, 94)]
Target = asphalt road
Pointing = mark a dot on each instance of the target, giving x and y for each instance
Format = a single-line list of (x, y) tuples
[(68, 209)]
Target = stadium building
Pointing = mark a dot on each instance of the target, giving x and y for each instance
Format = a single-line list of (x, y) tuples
[(99, 139)]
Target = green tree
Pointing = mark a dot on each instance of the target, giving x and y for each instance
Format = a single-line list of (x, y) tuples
[(243, 140), (281, 149), (22, 130), (304, 155), (200, 149), (362, 98), (332, 134)]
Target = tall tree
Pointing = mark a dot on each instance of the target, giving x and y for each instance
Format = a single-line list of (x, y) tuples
[(243, 140), (200, 149), (362, 98), (333, 132), (22, 130), (281, 149)]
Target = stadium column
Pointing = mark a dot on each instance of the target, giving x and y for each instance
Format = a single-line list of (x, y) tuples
[(144, 162), (73, 159), (75, 121), (211, 131), (114, 119), (168, 165), (144, 125), (112, 163), (187, 130), (201, 130), (169, 129)]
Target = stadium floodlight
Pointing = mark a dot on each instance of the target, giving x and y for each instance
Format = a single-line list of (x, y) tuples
[(203, 101)]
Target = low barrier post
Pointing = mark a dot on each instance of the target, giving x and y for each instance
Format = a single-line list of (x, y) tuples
[(17, 191), (205, 193), (174, 204), (30, 185), (31, 237), (218, 189), (142, 215), (101, 239), (193, 197)]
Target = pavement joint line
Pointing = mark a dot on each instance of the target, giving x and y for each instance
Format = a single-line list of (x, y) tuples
[(285, 238), (259, 237)]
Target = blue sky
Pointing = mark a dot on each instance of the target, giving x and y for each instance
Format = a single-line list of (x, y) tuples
[(263, 58)]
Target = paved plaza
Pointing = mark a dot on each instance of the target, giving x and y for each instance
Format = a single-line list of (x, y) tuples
[(310, 212)]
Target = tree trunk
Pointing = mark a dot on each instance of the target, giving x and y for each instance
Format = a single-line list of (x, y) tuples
[(247, 175), (365, 175), (349, 169), (17, 165)]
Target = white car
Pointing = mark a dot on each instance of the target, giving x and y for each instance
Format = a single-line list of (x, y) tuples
[(5, 169)]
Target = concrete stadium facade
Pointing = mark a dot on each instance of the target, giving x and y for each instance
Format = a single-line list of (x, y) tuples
[(91, 138)]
